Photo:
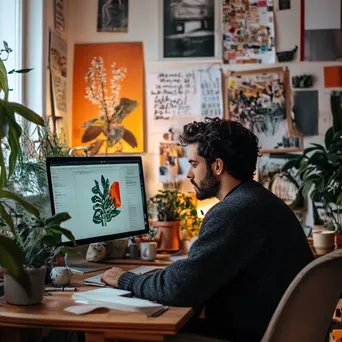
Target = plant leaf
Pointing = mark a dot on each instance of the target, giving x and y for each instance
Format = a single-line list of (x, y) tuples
[(328, 138), (88, 123), (130, 139), (23, 71), (67, 233), (7, 218), (28, 207), (91, 133), (3, 80), (26, 113), (57, 219)]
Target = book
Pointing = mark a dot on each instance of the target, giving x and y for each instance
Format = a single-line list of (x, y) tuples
[(116, 299)]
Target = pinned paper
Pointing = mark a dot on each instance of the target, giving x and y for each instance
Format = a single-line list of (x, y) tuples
[(333, 77)]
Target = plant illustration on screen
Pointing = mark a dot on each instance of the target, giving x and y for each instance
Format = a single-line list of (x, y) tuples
[(106, 202)]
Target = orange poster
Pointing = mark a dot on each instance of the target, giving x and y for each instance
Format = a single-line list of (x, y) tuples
[(108, 97), (333, 77)]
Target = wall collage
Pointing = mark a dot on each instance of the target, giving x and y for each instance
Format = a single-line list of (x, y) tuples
[(110, 96)]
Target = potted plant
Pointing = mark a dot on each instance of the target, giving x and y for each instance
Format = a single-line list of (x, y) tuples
[(39, 241), (172, 208), (24, 250), (320, 169)]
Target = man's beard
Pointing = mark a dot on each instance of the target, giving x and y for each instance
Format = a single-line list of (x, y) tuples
[(208, 187)]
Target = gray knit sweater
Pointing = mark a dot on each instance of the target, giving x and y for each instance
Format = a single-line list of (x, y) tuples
[(249, 249)]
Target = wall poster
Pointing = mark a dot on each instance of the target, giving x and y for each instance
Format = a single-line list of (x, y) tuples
[(108, 97), (248, 31), (189, 28), (261, 101)]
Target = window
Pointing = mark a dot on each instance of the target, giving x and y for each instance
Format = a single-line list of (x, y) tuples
[(10, 31)]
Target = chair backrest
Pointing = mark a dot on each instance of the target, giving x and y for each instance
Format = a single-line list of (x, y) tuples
[(306, 309)]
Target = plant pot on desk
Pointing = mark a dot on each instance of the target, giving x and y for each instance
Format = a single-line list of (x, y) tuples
[(15, 293), (168, 236)]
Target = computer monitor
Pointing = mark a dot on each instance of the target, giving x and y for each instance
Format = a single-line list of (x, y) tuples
[(105, 196)]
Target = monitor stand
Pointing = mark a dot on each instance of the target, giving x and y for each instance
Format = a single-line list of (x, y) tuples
[(77, 262)]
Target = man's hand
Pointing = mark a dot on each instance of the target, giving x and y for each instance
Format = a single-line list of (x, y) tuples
[(111, 277)]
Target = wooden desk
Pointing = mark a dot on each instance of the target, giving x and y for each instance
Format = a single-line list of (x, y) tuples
[(98, 326)]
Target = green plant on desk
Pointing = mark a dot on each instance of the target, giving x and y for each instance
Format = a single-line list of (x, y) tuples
[(173, 210)]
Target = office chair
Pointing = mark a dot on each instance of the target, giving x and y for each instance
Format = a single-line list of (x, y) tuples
[(305, 311)]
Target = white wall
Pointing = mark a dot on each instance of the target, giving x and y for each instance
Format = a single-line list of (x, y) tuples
[(145, 24)]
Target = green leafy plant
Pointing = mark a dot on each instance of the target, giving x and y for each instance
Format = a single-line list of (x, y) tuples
[(16, 251), (173, 205), (104, 206), (320, 168)]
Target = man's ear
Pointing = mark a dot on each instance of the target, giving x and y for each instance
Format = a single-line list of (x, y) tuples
[(218, 167)]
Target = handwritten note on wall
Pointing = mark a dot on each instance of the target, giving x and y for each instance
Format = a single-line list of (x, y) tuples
[(211, 94), (173, 94)]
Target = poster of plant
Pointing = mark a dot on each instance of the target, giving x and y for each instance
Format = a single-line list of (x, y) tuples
[(248, 31), (112, 16), (106, 200), (189, 28), (108, 97), (261, 101)]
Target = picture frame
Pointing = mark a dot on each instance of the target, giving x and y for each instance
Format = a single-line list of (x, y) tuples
[(216, 49), (261, 101)]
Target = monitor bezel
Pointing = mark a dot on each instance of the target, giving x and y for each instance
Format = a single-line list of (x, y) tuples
[(52, 161)]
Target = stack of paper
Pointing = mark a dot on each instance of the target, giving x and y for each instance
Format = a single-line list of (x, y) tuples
[(116, 299)]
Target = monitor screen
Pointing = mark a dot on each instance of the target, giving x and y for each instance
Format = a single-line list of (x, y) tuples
[(105, 196)]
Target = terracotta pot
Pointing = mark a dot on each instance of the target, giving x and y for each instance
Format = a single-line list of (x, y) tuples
[(323, 241), (16, 295), (338, 241), (168, 236)]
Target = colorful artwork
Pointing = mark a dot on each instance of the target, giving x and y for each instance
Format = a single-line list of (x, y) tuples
[(260, 101), (108, 97), (248, 31), (106, 201)]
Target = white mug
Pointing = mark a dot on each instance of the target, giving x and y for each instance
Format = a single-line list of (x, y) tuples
[(61, 276), (148, 250)]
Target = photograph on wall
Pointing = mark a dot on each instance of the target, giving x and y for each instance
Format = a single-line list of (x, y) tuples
[(248, 31), (59, 91), (58, 54), (110, 112), (59, 17), (112, 16), (271, 175), (321, 31), (189, 28), (260, 101)]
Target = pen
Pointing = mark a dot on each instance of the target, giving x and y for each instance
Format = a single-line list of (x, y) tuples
[(158, 312), (61, 289)]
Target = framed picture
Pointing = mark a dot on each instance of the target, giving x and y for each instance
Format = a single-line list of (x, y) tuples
[(112, 16), (261, 101), (189, 28), (284, 185), (109, 112)]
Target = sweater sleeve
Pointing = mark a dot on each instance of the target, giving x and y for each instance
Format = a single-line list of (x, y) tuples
[(225, 246)]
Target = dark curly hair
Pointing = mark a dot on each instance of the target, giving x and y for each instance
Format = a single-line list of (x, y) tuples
[(225, 139)]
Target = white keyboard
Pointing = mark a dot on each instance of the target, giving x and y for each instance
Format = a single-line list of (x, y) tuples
[(96, 280)]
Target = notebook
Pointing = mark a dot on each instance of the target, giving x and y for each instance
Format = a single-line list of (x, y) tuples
[(116, 299)]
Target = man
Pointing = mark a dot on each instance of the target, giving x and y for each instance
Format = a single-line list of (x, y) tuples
[(249, 249)]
